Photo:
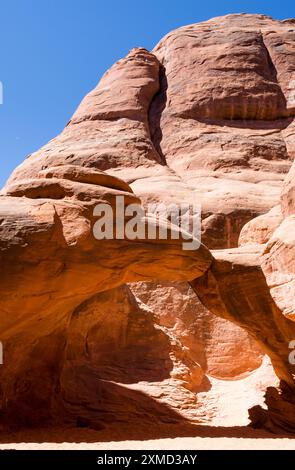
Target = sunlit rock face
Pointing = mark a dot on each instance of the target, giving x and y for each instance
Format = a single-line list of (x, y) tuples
[(99, 332)]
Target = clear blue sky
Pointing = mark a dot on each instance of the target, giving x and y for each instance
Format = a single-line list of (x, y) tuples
[(55, 51)]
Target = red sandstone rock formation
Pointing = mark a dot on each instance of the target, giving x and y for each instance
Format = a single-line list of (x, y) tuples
[(207, 116)]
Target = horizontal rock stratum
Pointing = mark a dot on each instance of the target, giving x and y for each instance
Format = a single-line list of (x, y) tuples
[(138, 332)]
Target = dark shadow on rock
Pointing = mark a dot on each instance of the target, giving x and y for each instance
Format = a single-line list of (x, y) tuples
[(126, 347), (124, 414), (156, 110)]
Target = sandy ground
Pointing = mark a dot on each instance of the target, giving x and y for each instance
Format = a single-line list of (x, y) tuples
[(184, 443), (175, 437)]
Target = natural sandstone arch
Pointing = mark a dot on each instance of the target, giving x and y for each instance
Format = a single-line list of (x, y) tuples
[(51, 263)]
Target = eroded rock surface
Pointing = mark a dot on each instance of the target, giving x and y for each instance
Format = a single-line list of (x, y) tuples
[(207, 117)]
